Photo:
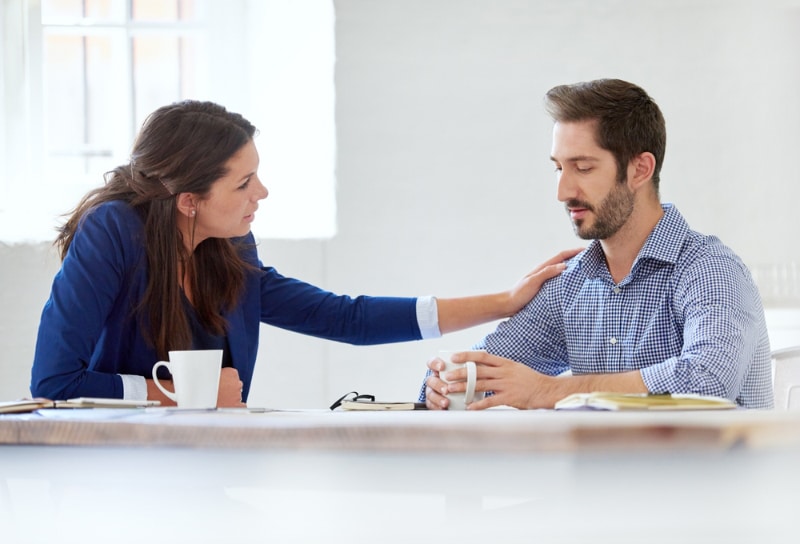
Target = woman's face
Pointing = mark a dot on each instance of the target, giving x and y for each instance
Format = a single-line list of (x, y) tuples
[(230, 205)]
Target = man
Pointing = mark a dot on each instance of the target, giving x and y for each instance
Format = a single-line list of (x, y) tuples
[(649, 306)]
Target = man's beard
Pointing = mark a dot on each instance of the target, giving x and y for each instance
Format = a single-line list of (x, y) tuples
[(609, 216)]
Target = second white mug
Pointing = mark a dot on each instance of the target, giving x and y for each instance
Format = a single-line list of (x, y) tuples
[(460, 401)]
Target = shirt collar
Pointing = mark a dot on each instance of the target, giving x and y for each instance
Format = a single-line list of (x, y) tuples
[(663, 244)]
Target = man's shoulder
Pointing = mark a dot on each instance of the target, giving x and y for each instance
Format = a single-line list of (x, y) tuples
[(565, 285), (698, 247), (693, 246), (707, 264)]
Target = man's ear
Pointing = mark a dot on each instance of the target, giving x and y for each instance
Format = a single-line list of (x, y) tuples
[(641, 169), (187, 204)]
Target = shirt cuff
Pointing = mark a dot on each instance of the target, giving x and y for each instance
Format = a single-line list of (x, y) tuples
[(428, 317), (133, 387)]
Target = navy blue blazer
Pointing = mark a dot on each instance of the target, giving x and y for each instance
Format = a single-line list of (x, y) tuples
[(89, 332)]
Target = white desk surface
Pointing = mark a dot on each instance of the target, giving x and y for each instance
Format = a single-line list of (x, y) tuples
[(332, 477), (497, 430)]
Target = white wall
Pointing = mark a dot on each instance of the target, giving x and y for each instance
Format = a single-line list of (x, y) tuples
[(444, 182)]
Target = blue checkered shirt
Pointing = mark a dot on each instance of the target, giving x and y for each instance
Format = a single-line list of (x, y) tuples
[(688, 317)]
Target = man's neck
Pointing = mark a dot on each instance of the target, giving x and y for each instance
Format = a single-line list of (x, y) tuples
[(622, 248)]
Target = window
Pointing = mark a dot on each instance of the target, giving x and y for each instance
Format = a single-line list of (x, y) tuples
[(79, 77)]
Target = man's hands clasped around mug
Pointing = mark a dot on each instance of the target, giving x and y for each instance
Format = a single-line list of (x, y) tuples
[(512, 383)]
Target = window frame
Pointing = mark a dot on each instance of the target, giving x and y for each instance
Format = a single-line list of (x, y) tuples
[(23, 180)]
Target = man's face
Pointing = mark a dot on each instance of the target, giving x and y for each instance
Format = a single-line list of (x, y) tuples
[(598, 204)]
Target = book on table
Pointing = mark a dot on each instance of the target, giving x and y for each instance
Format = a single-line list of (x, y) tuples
[(601, 400)]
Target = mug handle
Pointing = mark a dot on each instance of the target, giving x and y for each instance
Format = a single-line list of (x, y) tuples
[(169, 394), (472, 378)]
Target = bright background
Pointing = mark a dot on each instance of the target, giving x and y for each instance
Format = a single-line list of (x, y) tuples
[(443, 182)]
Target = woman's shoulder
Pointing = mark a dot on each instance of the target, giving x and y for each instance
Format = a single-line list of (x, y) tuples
[(248, 249), (114, 210), (115, 214), (115, 223)]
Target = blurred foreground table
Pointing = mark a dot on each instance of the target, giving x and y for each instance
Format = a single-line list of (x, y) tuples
[(165, 475)]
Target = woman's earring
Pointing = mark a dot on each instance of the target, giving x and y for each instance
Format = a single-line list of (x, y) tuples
[(193, 212)]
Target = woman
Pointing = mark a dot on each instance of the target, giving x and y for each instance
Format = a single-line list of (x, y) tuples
[(161, 258)]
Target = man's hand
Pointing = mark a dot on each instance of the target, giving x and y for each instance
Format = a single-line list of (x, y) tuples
[(519, 386), (514, 384), (435, 388)]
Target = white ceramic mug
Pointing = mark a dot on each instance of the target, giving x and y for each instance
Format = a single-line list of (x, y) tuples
[(460, 401), (195, 376)]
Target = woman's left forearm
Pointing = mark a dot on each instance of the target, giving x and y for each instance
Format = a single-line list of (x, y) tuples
[(456, 314)]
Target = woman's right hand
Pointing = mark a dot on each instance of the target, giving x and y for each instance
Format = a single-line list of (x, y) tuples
[(527, 288), (460, 313)]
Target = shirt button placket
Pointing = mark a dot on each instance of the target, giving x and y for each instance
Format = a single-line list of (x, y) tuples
[(612, 341)]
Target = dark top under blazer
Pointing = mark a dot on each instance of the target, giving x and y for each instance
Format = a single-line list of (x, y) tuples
[(89, 332)]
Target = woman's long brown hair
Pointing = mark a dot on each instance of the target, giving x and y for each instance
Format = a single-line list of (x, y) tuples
[(181, 148)]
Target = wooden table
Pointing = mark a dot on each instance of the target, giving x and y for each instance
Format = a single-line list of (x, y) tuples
[(317, 476)]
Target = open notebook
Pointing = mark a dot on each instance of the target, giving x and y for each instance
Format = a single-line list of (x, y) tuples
[(30, 405), (642, 401)]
